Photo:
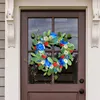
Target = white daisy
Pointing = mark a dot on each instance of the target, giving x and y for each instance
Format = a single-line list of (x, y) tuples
[(65, 60), (65, 46), (65, 52), (43, 62), (46, 38)]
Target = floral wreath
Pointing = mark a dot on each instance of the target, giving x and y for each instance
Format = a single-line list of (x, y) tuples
[(51, 65)]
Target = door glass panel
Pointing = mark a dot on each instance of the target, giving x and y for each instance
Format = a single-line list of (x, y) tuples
[(64, 25), (37, 26), (68, 26)]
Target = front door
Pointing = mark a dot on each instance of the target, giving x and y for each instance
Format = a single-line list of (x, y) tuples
[(70, 84)]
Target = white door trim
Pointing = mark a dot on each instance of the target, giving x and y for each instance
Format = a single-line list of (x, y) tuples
[(12, 55)]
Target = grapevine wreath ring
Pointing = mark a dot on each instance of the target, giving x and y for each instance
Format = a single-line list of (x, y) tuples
[(51, 65)]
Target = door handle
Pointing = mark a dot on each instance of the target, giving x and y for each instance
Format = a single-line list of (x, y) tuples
[(81, 91)]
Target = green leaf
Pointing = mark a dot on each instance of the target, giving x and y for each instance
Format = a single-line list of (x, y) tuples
[(44, 70), (50, 60), (39, 37), (62, 50), (32, 35), (35, 59), (34, 41), (54, 41), (44, 33), (71, 46), (59, 54), (40, 67), (72, 59), (49, 31), (38, 55), (32, 54), (66, 66), (65, 39), (55, 59), (31, 62), (49, 46), (45, 74), (60, 70), (51, 70), (51, 43), (55, 77), (59, 34), (59, 38), (69, 63), (63, 34), (49, 73), (69, 36)]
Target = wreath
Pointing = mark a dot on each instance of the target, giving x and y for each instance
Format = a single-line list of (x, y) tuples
[(51, 65)]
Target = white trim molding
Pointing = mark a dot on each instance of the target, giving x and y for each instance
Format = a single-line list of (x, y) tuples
[(12, 55), (95, 23), (10, 23), (95, 36)]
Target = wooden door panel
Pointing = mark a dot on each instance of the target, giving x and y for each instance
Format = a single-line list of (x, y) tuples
[(53, 96), (68, 85), (54, 87)]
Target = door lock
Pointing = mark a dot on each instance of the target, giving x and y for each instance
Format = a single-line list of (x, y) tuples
[(81, 80)]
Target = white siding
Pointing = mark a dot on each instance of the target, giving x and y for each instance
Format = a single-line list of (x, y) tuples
[(2, 34), (2, 49), (2, 63)]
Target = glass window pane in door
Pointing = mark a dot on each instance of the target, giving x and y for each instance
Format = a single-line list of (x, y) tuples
[(68, 26), (37, 26)]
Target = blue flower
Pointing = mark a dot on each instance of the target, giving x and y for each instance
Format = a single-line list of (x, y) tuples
[(40, 46), (53, 35), (47, 63), (61, 61), (63, 42)]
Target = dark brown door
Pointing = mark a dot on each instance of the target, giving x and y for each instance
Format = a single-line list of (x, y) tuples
[(71, 83)]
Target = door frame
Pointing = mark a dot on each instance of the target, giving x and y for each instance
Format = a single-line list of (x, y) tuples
[(80, 15), (12, 63)]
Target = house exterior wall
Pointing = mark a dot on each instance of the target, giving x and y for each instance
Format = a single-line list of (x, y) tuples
[(12, 63), (2, 48)]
